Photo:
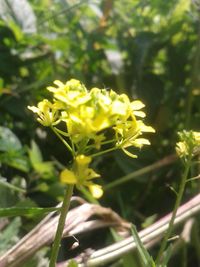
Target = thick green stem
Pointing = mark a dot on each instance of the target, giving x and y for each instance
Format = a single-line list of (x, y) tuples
[(61, 224), (177, 204)]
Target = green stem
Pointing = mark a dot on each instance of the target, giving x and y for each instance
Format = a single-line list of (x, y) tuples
[(177, 204), (102, 143), (165, 161), (61, 132), (55, 130), (61, 224), (104, 151)]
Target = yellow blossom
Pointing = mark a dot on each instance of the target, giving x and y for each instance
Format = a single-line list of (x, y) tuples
[(47, 112), (80, 174), (96, 190), (72, 93), (88, 115), (197, 137), (68, 177), (189, 143), (181, 149)]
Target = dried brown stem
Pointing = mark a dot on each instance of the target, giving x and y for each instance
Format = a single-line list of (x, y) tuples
[(150, 236), (78, 222), (44, 232)]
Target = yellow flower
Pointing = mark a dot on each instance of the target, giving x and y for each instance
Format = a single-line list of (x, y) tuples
[(88, 114), (197, 137), (47, 112), (189, 143), (181, 149), (72, 93), (96, 190), (80, 174), (127, 134), (139, 142), (136, 106), (68, 177)]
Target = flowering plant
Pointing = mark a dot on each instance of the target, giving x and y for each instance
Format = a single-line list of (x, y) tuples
[(95, 121)]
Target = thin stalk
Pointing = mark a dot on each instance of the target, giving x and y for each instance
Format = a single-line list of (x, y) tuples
[(61, 132), (102, 143), (63, 140), (104, 151), (177, 204), (61, 224), (165, 161)]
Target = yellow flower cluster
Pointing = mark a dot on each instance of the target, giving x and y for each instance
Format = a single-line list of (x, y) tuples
[(189, 144), (88, 114)]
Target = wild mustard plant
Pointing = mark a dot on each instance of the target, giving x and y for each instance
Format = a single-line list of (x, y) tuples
[(89, 123), (189, 144), (186, 148)]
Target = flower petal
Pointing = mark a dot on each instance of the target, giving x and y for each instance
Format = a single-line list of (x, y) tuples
[(68, 177), (137, 104), (139, 142), (139, 114)]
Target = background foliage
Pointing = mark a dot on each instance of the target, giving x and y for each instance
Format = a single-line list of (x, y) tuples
[(147, 49)]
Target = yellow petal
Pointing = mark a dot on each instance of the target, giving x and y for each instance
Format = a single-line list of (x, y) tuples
[(197, 137), (68, 177), (51, 89), (96, 190), (181, 149), (34, 109), (139, 114), (145, 128), (58, 83), (139, 142), (83, 160), (137, 104), (91, 174), (119, 107)]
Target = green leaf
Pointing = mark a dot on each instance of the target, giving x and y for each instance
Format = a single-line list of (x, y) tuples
[(3, 182), (8, 236), (13, 211), (15, 159), (8, 140), (166, 256), (45, 168), (131, 259), (35, 154), (8, 197), (144, 254)]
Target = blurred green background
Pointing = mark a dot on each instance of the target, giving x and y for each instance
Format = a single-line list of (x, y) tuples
[(149, 50)]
